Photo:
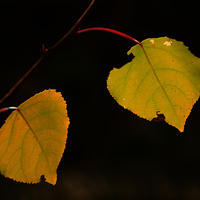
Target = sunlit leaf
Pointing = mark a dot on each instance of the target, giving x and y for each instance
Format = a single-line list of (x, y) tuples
[(165, 80), (32, 143)]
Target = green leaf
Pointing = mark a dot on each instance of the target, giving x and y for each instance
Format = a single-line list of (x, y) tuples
[(163, 78), (32, 140)]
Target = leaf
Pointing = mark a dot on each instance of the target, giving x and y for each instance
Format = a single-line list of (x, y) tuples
[(163, 78), (32, 143)]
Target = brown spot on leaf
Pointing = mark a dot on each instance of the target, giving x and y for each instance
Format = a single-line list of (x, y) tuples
[(159, 118)]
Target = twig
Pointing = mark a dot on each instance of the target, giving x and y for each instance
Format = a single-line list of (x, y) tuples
[(22, 79), (45, 51), (75, 27)]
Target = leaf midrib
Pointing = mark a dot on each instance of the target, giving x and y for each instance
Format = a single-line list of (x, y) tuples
[(158, 80)]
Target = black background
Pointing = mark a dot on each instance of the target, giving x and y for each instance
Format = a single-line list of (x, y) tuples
[(110, 152)]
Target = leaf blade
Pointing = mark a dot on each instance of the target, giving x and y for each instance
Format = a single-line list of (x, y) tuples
[(40, 143), (168, 86)]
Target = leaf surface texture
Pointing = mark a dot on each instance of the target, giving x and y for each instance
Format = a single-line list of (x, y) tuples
[(32, 143), (163, 78)]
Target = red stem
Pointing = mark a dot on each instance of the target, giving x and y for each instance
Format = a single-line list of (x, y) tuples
[(111, 31), (8, 108)]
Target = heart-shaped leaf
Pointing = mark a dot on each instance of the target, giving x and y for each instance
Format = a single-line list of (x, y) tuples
[(32, 140), (163, 78)]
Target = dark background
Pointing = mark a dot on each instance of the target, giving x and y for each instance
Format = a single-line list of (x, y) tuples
[(110, 152)]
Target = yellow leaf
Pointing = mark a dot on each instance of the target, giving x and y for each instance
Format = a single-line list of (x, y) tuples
[(32, 143), (163, 78)]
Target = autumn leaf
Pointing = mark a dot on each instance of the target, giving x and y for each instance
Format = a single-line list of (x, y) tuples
[(32, 140), (163, 78)]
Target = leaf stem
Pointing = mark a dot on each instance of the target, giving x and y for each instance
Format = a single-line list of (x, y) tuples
[(8, 108), (111, 31)]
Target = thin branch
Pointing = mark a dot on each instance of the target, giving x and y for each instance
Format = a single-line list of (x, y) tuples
[(75, 27), (45, 51), (22, 79)]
